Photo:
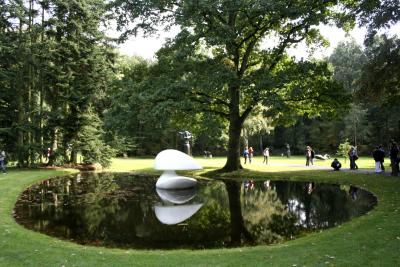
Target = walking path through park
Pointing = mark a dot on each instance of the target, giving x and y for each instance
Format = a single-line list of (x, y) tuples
[(315, 167)]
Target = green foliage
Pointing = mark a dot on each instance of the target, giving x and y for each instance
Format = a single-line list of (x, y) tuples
[(122, 145), (343, 149), (348, 59), (215, 64), (90, 142), (377, 14), (380, 80), (54, 64)]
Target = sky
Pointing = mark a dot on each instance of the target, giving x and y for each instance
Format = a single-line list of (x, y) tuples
[(146, 47)]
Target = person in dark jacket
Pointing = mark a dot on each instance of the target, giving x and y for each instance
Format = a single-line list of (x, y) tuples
[(382, 151), (394, 158), (378, 156), (312, 156), (336, 165), (353, 157)]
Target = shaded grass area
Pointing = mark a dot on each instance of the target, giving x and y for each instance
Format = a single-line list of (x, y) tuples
[(370, 240)]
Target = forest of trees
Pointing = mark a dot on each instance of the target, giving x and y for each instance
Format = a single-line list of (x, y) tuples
[(64, 86)]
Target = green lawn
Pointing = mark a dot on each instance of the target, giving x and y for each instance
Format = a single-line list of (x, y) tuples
[(371, 240)]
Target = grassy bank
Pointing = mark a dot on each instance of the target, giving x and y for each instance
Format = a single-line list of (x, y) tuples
[(371, 240)]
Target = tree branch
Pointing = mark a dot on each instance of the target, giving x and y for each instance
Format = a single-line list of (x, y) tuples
[(216, 101)]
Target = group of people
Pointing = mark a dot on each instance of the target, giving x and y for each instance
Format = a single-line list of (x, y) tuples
[(379, 156), (248, 153)]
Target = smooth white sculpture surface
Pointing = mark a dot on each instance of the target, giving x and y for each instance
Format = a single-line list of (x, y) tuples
[(323, 157), (176, 196), (175, 214), (171, 160), (170, 180)]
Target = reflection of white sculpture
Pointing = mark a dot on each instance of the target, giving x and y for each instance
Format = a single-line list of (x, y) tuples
[(177, 196), (171, 160), (175, 214)]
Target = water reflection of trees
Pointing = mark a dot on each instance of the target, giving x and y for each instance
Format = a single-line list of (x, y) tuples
[(266, 217), (271, 211), (54, 198), (257, 215), (325, 206)]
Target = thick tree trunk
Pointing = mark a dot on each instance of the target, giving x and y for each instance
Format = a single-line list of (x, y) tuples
[(21, 112), (41, 96), (54, 146), (233, 157), (74, 157), (31, 135), (235, 127), (20, 132)]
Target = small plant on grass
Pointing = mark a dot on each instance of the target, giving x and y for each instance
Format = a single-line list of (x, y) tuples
[(343, 149)]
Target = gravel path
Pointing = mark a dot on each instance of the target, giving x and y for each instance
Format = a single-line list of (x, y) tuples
[(313, 167)]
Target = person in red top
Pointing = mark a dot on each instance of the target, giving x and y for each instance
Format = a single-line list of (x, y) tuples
[(251, 151)]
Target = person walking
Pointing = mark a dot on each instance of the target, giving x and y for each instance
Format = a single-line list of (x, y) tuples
[(312, 156), (266, 155), (288, 150), (308, 155), (245, 154), (3, 162), (382, 152), (394, 158), (251, 152), (353, 157)]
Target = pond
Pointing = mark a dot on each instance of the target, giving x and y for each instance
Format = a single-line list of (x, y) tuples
[(127, 211)]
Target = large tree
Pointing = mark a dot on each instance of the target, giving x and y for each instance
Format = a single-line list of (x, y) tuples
[(217, 61)]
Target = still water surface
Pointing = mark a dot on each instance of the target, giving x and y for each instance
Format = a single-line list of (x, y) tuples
[(127, 211)]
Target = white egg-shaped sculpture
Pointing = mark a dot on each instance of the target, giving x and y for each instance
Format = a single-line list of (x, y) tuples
[(171, 159), (179, 196), (175, 214)]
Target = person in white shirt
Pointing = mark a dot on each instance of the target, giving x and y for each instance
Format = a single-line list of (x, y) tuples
[(266, 155)]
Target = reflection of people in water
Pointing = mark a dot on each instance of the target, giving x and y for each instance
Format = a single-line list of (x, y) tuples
[(249, 184), (353, 192), (267, 184), (310, 187)]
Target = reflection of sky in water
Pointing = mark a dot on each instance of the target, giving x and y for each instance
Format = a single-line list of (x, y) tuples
[(121, 210), (295, 206)]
